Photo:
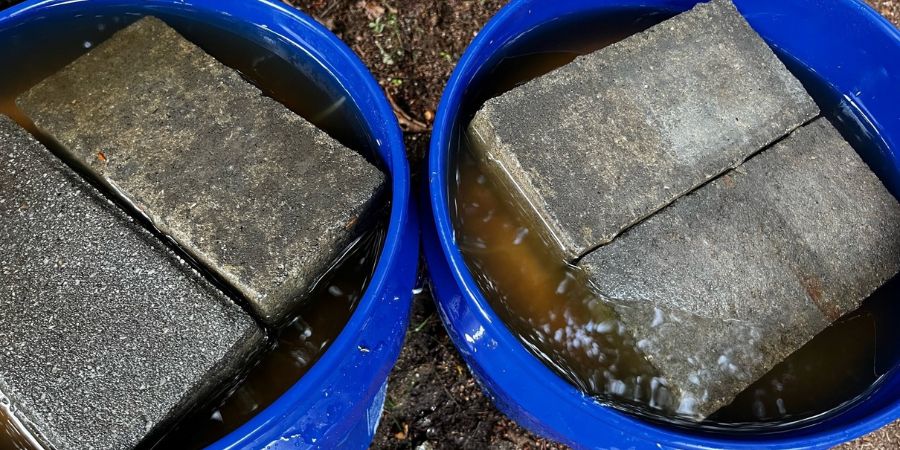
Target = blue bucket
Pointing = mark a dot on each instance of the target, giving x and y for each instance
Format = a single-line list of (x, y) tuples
[(840, 48), (338, 402)]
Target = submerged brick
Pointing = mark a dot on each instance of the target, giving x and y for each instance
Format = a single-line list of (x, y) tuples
[(256, 193), (729, 280), (105, 335), (607, 140)]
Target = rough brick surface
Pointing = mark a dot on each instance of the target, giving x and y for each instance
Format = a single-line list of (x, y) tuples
[(253, 191), (729, 280), (104, 334), (607, 140)]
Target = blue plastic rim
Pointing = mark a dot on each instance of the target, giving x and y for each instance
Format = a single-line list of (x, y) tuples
[(841, 44), (338, 402)]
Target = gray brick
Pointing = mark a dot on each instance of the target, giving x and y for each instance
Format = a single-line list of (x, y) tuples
[(250, 189), (729, 280), (607, 140), (105, 335)]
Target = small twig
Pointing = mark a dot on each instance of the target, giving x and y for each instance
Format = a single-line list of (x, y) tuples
[(328, 8), (407, 122), (420, 326)]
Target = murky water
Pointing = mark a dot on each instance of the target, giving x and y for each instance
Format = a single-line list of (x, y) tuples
[(41, 48), (546, 303), (299, 345)]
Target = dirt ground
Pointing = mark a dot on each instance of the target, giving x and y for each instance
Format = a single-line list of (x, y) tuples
[(411, 47)]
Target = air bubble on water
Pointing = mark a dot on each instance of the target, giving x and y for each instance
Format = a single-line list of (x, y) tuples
[(654, 386), (363, 349), (335, 291), (563, 285), (87, 44), (657, 318), (476, 243), (780, 404), (726, 365), (520, 235), (605, 326), (723, 360), (687, 405)]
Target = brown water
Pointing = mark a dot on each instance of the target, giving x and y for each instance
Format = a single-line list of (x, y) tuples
[(546, 303), (12, 436), (299, 345), (39, 50)]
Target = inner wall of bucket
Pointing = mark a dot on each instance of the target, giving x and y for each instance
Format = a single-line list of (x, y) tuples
[(541, 49), (45, 43)]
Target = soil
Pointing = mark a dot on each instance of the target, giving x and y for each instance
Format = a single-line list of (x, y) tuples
[(410, 46)]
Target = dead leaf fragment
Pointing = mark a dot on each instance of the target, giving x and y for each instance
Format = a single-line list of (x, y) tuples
[(402, 434), (373, 10)]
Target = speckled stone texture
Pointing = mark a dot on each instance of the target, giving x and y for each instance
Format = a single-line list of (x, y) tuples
[(607, 140), (729, 280), (253, 191), (105, 336)]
